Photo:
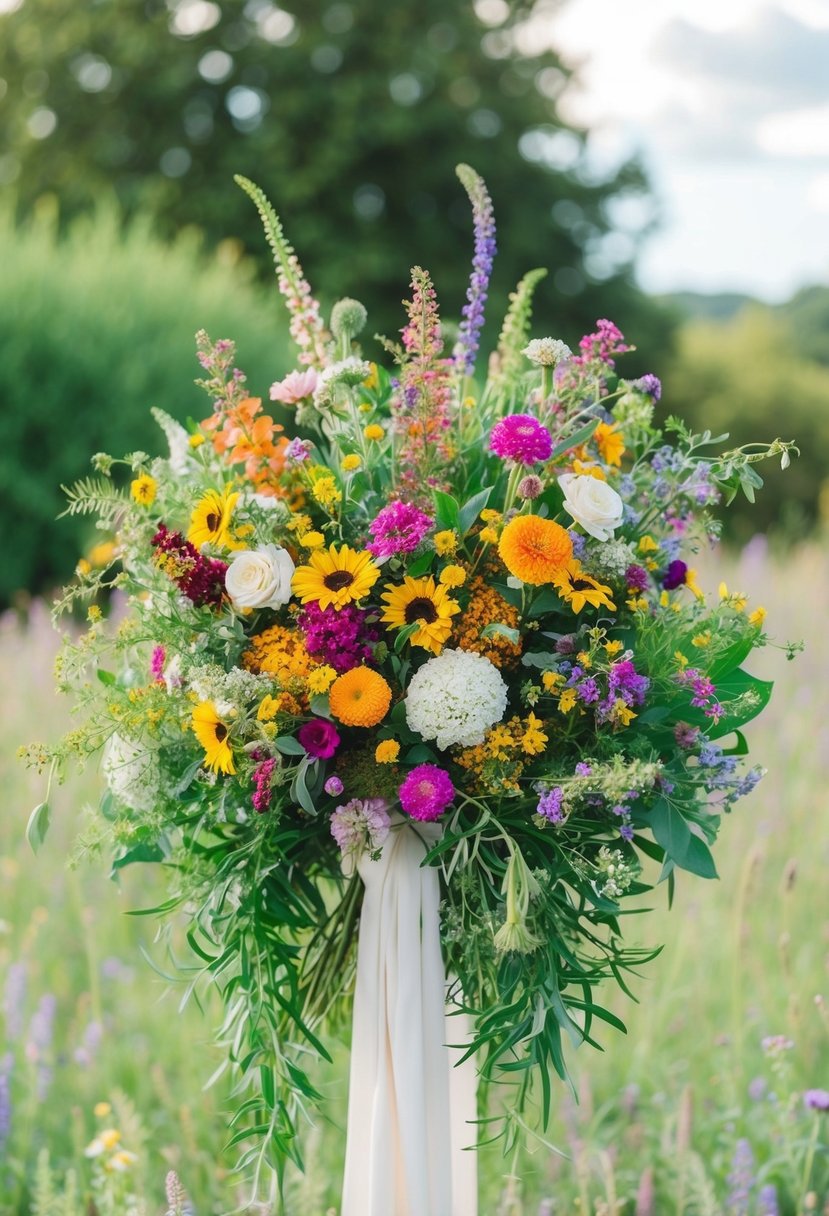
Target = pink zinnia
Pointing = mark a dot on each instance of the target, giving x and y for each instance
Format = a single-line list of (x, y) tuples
[(521, 438), (319, 737), (426, 792), (398, 528), (295, 387)]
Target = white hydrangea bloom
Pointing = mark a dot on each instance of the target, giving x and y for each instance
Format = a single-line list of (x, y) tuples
[(547, 352), (131, 772), (455, 697)]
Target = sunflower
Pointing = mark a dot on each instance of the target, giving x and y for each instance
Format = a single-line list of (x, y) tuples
[(212, 733), (335, 577), (210, 521), (359, 697), (534, 549), (578, 588), (424, 601)]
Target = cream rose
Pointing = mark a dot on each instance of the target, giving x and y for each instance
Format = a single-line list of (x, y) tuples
[(260, 578), (592, 503)]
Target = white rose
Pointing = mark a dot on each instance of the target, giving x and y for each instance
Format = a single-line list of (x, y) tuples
[(260, 578), (592, 503)]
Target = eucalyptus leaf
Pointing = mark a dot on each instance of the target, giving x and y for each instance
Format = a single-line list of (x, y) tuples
[(38, 826)]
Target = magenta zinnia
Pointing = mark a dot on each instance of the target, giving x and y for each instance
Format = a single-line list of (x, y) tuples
[(522, 439), (398, 528), (426, 792)]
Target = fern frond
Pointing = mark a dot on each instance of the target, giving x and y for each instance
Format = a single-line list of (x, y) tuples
[(43, 1191), (93, 495), (515, 331)]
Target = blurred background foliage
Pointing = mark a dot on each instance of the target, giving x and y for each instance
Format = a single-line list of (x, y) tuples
[(122, 233)]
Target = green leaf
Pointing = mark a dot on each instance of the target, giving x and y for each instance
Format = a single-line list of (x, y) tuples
[(106, 677), (421, 565), (575, 440), (320, 706), (148, 850), (539, 658), (300, 791), (698, 859), (505, 631), (670, 830), (420, 754), (289, 746), (471, 509), (740, 747), (404, 634), (448, 511), (38, 825)]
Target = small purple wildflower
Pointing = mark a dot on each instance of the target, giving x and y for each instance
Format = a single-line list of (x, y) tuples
[(767, 1201), (549, 805), (298, 450), (334, 786), (816, 1099), (359, 824), (583, 770), (740, 1180), (675, 575), (588, 691), (637, 578), (686, 735), (650, 384)]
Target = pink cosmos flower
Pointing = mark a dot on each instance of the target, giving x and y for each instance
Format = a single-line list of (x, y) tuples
[(295, 387), (319, 737), (522, 439), (426, 792)]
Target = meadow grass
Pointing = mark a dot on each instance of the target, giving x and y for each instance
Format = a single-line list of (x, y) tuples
[(685, 1115)]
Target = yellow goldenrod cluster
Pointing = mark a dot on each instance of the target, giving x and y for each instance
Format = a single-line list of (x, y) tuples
[(499, 761), (279, 652), (486, 607)]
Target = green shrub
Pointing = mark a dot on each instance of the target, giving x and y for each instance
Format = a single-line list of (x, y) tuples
[(746, 376), (95, 328)]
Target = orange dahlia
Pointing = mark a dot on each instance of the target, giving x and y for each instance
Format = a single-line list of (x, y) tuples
[(534, 549), (360, 697)]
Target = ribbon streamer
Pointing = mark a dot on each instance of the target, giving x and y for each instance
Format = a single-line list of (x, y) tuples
[(410, 1112)]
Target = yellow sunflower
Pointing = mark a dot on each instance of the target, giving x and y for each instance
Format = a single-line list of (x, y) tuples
[(210, 521), (212, 733), (424, 601), (335, 577), (578, 588)]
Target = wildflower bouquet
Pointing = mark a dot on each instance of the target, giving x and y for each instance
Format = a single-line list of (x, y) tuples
[(436, 601)]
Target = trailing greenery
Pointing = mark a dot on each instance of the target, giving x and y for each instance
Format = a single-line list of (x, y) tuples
[(95, 328)]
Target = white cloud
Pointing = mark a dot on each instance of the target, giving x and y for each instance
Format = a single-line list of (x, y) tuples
[(797, 133), (817, 195)]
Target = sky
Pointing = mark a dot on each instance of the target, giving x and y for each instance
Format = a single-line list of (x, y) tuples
[(727, 101)]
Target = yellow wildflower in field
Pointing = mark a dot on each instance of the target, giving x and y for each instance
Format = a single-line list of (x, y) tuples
[(534, 740), (196, 441), (374, 431), (567, 700), (143, 489), (647, 544), (350, 463), (326, 492), (757, 616), (550, 680), (312, 540)]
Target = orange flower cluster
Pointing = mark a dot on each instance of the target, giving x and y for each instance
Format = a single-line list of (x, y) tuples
[(243, 435), (279, 652), (486, 607)]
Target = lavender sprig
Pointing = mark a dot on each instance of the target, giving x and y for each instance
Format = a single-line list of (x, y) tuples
[(483, 219)]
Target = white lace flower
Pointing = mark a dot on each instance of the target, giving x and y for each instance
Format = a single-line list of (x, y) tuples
[(455, 697), (547, 352), (131, 772)]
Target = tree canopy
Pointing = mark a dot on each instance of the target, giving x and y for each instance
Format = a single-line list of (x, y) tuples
[(351, 115)]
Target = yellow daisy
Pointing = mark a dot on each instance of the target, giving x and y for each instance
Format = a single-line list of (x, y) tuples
[(387, 751), (143, 489), (335, 577), (210, 521), (427, 603), (212, 734)]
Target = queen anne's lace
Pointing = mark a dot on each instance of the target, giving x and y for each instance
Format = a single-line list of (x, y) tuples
[(455, 698)]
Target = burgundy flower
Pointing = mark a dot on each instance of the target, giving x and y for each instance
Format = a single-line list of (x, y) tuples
[(319, 737), (675, 575)]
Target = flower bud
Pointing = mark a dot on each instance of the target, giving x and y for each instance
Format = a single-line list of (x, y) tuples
[(348, 317)]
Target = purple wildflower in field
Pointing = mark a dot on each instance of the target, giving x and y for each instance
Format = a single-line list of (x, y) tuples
[(675, 575), (14, 999), (767, 1201), (87, 1049), (41, 1031), (637, 578), (740, 1180), (334, 786), (588, 691), (6, 1066), (583, 770), (757, 1089), (298, 450), (816, 1099), (483, 219), (549, 805), (625, 681)]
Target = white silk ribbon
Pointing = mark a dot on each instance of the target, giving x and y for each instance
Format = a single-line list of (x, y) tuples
[(410, 1112)]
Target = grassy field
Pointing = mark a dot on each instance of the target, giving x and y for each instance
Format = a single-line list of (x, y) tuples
[(686, 1115)]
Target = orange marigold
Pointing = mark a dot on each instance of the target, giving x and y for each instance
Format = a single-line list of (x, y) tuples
[(360, 697), (535, 549), (486, 607), (279, 652)]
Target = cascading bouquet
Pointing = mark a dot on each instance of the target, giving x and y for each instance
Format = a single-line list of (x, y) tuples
[(438, 601)]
